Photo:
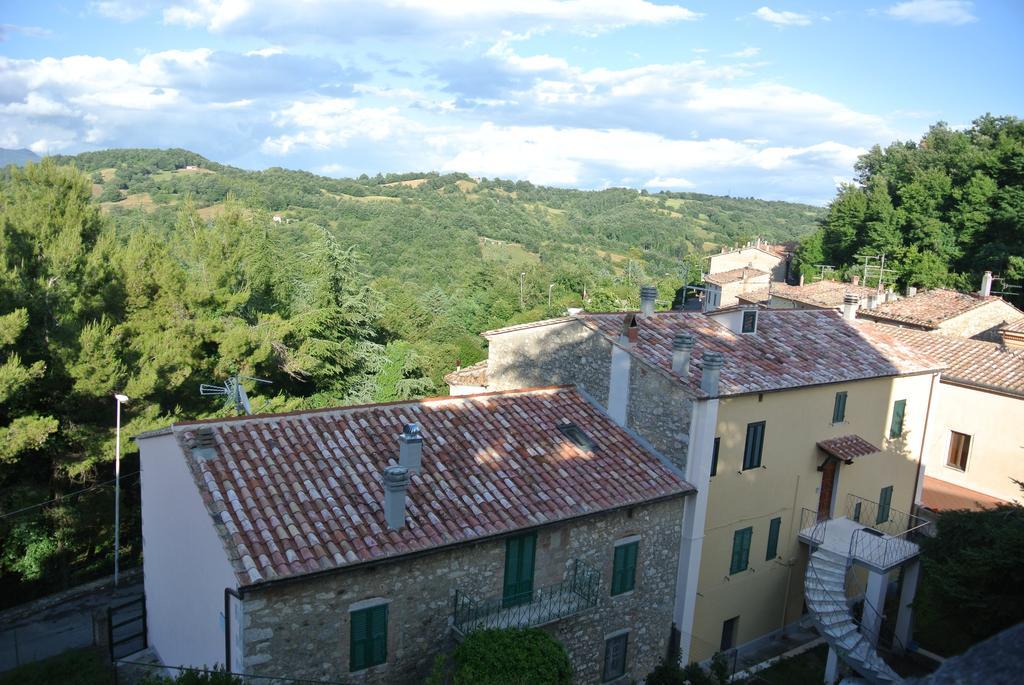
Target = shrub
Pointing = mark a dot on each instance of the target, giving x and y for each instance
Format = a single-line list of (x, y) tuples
[(215, 677), (511, 657)]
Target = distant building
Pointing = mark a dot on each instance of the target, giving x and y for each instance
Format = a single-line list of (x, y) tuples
[(1012, 334), (353, 544), (467, 380), (967, 315), (277, 218), (191, 167), (774, 259), (817, 295), (721, 289)]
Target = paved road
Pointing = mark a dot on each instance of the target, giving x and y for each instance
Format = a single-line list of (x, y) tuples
[(45, 629)]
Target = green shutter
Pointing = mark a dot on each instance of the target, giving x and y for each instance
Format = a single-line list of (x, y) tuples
[(624, 568), (884, 501), (839, 408), (754, 445), (773, 539), (368, 640), (740, 550), (714, 456), (519, 558), (898, 409)]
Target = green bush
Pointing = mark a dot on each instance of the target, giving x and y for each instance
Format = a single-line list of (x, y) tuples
[(214, 677), (511, 657)]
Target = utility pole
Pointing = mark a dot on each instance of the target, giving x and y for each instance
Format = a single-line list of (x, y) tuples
[(119, 399), (522, 275), (549, 294)]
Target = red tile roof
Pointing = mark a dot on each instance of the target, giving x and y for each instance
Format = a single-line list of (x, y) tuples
[(848, 447), (791, 348), (1014, 327), (930, 308), (474, 374), (734, 275), (938, 495), (302, 492), (970, 362), (824, 294)]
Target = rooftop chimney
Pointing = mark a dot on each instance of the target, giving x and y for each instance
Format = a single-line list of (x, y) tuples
[(630, 329), (911, 291), (850, 304), (854, 280), (709, 377), (648, 293), (801, 280), (396, 480), (410, 447), (986, 284), (890, 296), (682, 347)]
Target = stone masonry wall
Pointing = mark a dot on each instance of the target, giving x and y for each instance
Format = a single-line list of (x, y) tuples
[(301, 629), (981, 322), (659, 410)]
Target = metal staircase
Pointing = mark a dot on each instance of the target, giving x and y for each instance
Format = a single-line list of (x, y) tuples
[(825, 594)]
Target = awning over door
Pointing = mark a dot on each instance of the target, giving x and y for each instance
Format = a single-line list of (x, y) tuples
[(846, 448)]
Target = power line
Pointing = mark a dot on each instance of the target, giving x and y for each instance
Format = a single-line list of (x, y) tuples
[(8, 514)]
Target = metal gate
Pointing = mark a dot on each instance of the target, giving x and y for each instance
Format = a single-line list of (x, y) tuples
[(126, 628)]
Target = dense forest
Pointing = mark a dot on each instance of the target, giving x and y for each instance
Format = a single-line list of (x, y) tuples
[(149, 272), (942, 210)]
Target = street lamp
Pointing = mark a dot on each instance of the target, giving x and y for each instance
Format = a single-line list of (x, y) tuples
[(120, 399), (521, 277)]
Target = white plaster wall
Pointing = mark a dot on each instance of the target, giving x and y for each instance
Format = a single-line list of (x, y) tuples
[(185, 565), (455, 390)]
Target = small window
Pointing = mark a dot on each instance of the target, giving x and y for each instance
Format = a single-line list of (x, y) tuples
[(714, 456), (729, 634), (754, 445), (624, 568), (368, 645), (773, 539), (615, 657), (740, 550), (884, 504), (856, 512), (959, 450), (577, 436), (839, 408), (749, 322), (899, 408)]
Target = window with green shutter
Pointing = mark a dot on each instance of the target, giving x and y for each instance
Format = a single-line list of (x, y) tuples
[(884, 502), (773, 539), (754, 445), (624, 567), (519, 560), (740, 550), (615, 657), (896, 427), (839, 408), (368, 643), (714, 456)]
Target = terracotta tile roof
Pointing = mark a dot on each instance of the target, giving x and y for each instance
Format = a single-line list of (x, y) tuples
[(734, 275), (302, 492), (1014, 327), (928, 309), (970, 362), (938, 495), (848, 447), (791, 348), (524, 326), (474, 374), (824, 294)]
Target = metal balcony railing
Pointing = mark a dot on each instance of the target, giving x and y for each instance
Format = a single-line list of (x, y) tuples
[(888, 536), (579, 591)]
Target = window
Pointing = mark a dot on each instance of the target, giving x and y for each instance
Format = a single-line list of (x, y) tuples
[(773, 539), (899, 407), (884, 501), (749, 322), (755, 443), (519, 558), (729, 634), (714, 456), (368, 644), (856, 512), (624, 567), (615, 657), (740, 550), (577, 436), (839, 408), (959, 448)]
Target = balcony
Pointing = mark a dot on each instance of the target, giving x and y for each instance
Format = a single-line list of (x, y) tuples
[(579, 592), (879, 537)]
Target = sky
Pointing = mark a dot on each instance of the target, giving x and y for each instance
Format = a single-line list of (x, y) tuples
[(773, 101)]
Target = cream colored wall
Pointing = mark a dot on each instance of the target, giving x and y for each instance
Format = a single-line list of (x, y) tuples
[(981, 322), (731, 290), (745, 257), (996, 426), (767, 595)]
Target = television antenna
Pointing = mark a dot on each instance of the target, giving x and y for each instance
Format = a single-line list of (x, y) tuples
[(233, 391)]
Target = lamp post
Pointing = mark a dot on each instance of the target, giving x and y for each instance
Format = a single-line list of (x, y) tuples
[(120, 399), (521, 277)]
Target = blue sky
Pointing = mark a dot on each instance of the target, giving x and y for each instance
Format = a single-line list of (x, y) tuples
[(772, 101)]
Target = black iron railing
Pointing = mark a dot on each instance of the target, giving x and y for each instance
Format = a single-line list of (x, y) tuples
[(889, 535), (579, 591)]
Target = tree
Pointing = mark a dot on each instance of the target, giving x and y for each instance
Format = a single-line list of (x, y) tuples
[(512, 656)]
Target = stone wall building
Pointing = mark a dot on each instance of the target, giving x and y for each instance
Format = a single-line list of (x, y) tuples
[(965, 315), (356, 544)]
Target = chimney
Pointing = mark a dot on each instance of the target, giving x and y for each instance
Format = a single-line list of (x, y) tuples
[(986, 284), (648, 293), (911, 291), (396, 480), (854, 280), (682, 347), (801, 280), (711, 374), (890, 296), (410, 447), (630, 329), (850, 304), (872, 301)]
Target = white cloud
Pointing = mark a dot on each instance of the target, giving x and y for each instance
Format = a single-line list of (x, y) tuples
[(327, 123), (32, 31), (951, 12), (121, 10), (269, 51), (745, 52), (659, 182), (782, 18)]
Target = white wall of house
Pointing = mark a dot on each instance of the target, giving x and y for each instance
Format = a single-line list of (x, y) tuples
[(455, 389), (185, 565)]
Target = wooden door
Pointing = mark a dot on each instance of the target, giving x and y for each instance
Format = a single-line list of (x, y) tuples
[(828, 486)]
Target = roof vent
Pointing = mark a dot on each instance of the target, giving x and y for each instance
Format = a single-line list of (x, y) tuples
[(850, 304), (396, 481), (577, 436), (749, 322), (648, 294), (682, 348), (711, 373), (204, 444), (410, 447)]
